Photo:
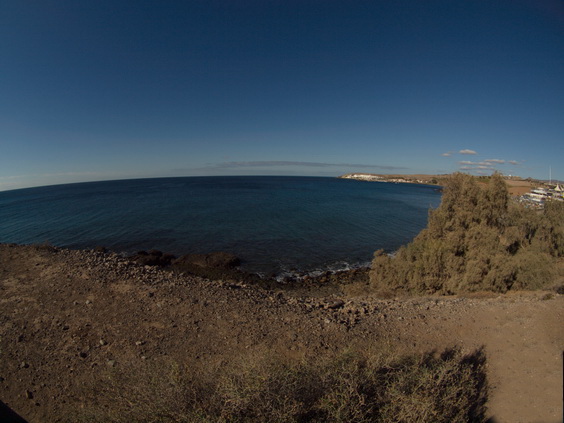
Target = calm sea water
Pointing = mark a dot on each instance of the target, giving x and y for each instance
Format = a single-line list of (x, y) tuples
[(274, 224)]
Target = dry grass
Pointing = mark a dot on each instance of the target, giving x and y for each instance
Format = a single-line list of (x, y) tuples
[(349, 387)]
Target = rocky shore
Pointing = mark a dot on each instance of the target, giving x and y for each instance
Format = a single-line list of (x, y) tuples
[(226, 266), (69, 319)]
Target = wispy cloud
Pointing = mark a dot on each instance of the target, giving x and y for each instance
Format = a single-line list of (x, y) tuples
[(481, 166), (278, 163), (475, 167), (468, 152), (471, 163)]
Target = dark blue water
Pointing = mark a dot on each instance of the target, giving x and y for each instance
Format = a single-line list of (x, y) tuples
[(274, 224)]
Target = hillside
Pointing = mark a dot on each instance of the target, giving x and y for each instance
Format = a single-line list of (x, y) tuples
[(83, 331)]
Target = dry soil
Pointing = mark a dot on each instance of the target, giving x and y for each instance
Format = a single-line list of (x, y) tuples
[(66, 316)]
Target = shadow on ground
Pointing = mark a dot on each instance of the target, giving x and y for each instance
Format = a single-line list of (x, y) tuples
[(7, 415)]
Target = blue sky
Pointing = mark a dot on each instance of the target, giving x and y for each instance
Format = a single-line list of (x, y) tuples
[(125, 89)]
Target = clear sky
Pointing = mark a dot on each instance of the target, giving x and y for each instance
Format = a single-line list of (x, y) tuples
[(111, 89)]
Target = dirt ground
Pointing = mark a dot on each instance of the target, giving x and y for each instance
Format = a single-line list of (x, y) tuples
[(517, 187), (65, 316)]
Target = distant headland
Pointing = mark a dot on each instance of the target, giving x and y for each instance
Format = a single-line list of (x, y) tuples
[(516, 185), (411, 179)]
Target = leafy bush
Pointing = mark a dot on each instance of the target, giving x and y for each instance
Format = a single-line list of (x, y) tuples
[(476, 240), (450, 387)]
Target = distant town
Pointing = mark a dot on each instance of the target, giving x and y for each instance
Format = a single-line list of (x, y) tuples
[(410, 179), (528, 191)]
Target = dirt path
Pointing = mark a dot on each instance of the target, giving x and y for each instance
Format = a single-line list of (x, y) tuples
[(65, 316), (523, 337)]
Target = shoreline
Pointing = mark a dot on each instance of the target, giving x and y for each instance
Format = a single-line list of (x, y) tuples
[(227, 266), (289, 230), (516, 186), (418, 179)]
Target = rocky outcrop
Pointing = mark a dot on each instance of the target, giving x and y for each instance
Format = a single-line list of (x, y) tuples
[(215, 265), (215, 260), (153, 258)]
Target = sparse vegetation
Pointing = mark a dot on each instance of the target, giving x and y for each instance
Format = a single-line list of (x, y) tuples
[(448, 387), (477, 240)]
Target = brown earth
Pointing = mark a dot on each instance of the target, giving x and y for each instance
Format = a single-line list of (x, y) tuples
[(68, 316), (518, 187)]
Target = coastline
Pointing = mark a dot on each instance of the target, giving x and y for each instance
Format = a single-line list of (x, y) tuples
[(420, 179), (224, 266), (515, 185), (274, 224)]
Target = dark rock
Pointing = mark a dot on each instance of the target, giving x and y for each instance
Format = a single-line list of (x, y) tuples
[(48, 248), (152, 258), (168, 257), (336, 304), (218, 260), (100, 249)]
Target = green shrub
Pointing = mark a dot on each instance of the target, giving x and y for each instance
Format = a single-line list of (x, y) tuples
[(476, 240)]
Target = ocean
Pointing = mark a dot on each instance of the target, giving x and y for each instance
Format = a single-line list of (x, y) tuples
[(275, 224)]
